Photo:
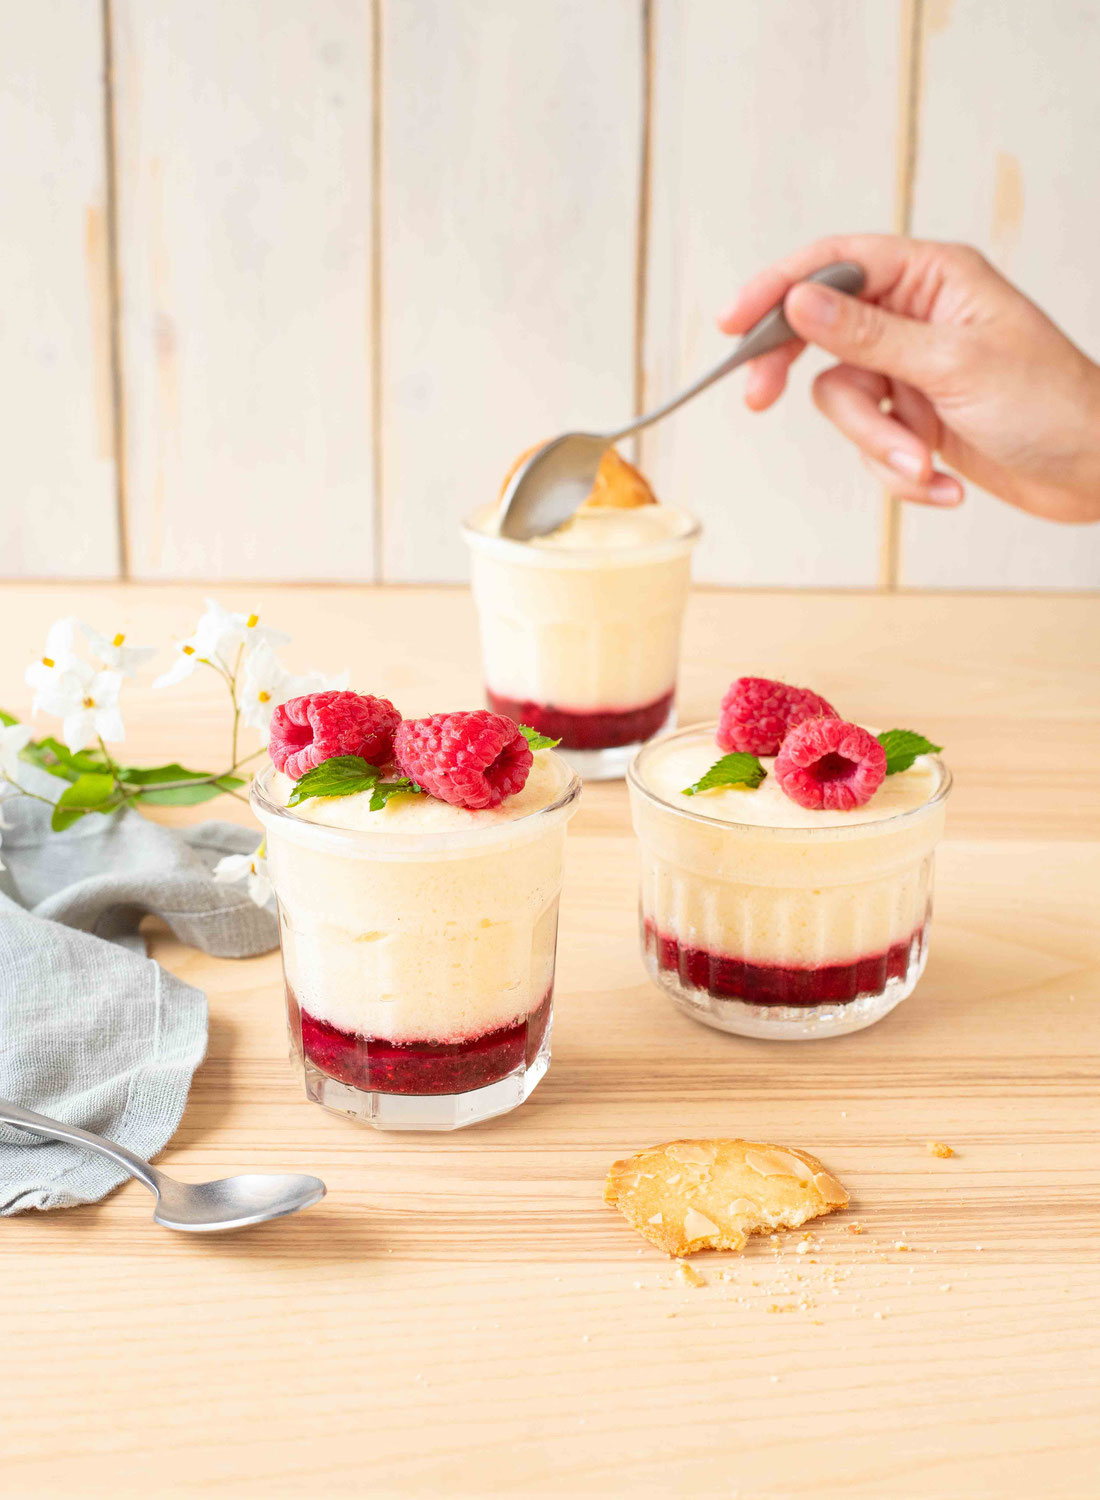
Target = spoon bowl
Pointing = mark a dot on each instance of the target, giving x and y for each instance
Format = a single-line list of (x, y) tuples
[(234, 1202)]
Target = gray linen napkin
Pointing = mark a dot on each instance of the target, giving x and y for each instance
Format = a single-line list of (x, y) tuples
[(92, 1031)]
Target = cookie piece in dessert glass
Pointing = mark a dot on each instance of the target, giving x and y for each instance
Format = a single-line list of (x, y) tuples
[(580, 629), (766, 917), (418, 934)]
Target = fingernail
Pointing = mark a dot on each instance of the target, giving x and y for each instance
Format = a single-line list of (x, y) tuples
[(817, 304), (905, 462), (945, 489), (727, 312)]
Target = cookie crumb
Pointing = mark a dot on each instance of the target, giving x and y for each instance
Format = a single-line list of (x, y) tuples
[(855, 1227), (689, 1275), (938, 1148)]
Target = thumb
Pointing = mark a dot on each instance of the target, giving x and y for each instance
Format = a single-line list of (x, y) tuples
[(859, 333)]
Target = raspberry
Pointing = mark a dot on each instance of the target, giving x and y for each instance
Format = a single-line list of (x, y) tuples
[(306, 731), (470, 759), (830, 763), (757, 713)]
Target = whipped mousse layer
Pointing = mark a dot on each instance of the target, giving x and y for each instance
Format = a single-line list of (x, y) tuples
[(750, 875), (586, 619), (423, 921)]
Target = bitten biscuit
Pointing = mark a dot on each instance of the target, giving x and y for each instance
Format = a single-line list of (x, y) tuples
[(618, 484), (686, 1196)]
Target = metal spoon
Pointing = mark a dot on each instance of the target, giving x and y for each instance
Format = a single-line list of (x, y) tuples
[(547, 489), (201, 1207)]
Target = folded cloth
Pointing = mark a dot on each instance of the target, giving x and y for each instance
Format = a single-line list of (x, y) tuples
[(92, 1031)]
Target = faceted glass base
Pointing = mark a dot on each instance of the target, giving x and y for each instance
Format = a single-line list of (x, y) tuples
[(793, 1023), (427, 1111)]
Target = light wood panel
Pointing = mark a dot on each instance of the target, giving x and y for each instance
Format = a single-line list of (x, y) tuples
[(511, 145), (244, 166), (58, 507), (462, 1315), (772, 125), (1009, 136)]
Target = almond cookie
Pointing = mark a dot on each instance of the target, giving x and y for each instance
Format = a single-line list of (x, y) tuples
[(618, 484), (686, 1196)]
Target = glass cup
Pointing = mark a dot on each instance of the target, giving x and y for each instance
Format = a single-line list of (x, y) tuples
[(582, 644), (419, 967), (783, 932)]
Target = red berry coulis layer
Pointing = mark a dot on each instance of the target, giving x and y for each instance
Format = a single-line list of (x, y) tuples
[(384, 1067), (600, 729), (726, 978)]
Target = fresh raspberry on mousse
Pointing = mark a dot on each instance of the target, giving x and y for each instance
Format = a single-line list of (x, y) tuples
[(306, 731), (757, 713), (472, 760), (829, 763)]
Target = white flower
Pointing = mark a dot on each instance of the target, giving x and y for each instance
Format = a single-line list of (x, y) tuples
[(86, 701), (13, 737), (113, 653), (219, 638), (266, 683), (236, 867), (56, 661)]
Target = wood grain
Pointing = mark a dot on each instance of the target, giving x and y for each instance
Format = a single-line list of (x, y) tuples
[(58, 506), (244, 184), (511, 145), (751, 157), (462, 1315), (1009, 121)]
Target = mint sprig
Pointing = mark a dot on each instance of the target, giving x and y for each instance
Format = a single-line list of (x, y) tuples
[(344, 775), (902, 747), (536, 740), (735, 769)]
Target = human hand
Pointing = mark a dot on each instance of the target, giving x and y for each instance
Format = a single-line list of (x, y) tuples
[(940, 355)]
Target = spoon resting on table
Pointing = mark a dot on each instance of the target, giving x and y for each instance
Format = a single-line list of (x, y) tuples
[(198, 1207), (546, 490)]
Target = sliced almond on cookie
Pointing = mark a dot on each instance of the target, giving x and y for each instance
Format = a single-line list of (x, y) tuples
[(686, 1196), (618, 484)]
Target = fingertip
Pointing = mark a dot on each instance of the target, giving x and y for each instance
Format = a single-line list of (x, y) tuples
[(945, 489)]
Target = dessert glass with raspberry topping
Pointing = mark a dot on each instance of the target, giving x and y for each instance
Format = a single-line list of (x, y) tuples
[(580, 629), (786, 889), (418, 898)]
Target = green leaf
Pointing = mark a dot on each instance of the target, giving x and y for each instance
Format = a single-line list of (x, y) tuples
[(92, 792), (176, 796), (736, 769), (51, 755), (341, 776), (537, 741), (384, 790), (902, 747), (7, 720)]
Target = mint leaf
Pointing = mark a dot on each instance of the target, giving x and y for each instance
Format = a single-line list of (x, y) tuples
[(735, 769), (341, 776), (535, 740), (384, 790), (902, 747), (92, 792)]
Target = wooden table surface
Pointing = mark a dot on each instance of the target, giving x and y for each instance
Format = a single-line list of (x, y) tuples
[(462, 1316)]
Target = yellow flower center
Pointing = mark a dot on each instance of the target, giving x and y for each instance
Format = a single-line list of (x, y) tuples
[(253, 621), (89, 703), (47, 661), (188, 650), (265, 697), (118, 640)]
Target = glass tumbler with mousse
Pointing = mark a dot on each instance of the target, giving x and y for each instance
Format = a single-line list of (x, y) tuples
[(580, 629), (787, 894), (418, 898)]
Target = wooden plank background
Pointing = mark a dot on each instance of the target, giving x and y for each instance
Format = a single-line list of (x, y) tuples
[(289, 285)]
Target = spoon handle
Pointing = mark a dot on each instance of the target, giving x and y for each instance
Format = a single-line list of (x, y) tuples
[(771, 331), (54, 1130)]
